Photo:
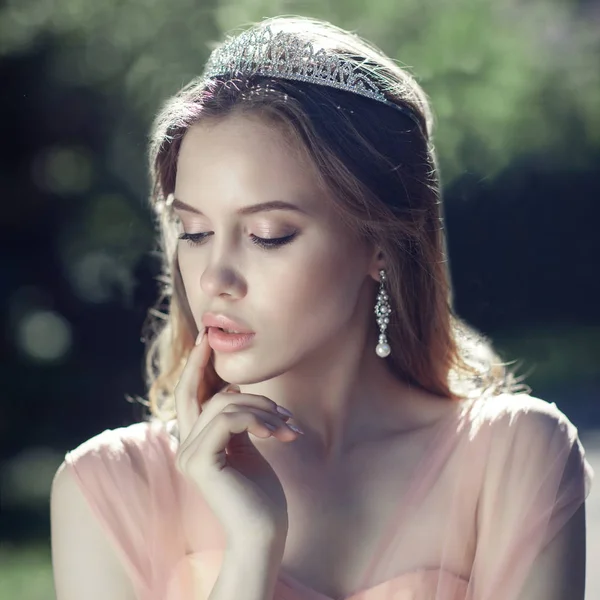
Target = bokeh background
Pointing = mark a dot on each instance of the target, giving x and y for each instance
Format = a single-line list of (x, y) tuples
[(515, 87)]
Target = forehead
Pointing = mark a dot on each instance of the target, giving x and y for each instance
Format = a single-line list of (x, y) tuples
[(245, 149)]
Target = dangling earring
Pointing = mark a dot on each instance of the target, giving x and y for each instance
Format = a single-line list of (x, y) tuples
[(382, 310)]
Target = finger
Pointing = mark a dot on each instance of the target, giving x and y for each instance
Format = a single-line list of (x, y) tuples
[(230, 398), (208, 448), (281, 427), (186, 390), (261, 412)]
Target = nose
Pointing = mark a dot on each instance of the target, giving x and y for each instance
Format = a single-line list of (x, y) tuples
[(220, 280)]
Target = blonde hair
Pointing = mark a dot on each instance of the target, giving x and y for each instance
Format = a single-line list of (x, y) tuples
[(382, 172)]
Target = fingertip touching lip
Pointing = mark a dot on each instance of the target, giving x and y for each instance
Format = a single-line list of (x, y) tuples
[(225, 322)]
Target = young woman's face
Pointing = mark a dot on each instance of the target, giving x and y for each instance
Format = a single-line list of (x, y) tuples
[(301, 297)]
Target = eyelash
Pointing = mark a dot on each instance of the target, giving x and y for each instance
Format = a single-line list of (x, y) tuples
[(195, 239)]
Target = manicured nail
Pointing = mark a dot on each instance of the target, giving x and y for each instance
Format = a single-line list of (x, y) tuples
[(200, 337), (295, 428)]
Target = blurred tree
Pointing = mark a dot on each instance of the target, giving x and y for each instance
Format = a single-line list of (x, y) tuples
[(515, 87), (501, 74)]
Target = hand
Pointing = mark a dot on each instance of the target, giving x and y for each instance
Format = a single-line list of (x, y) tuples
[(215, 452)]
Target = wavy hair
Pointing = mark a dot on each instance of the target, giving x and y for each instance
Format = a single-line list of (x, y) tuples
[(382, 173)]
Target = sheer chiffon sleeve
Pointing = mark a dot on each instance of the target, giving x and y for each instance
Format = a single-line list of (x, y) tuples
[(115, 486), (536, 477)]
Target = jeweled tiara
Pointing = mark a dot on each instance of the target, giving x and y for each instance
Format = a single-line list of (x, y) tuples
[(259, 51)]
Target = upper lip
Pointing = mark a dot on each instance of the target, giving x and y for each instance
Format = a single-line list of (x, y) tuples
[(224, 322)]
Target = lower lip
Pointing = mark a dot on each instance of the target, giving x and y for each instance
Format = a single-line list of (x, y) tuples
[(228, 342)]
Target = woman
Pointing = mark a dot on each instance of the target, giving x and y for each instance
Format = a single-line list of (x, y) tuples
[(297, 193)]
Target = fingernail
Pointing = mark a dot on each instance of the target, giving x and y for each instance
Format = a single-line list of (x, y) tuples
[(295, 428), (284, 411), (200, 337)]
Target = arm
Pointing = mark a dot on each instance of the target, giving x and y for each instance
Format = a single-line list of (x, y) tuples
[(84, 562), (250, 574), (558, 573)]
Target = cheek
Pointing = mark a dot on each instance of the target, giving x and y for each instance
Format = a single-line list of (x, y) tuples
[(315, 298)]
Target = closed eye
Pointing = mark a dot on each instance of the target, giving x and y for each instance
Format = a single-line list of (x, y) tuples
[(195, 239)]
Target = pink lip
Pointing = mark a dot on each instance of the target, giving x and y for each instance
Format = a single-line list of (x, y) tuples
[(224, 322), (228, 342)]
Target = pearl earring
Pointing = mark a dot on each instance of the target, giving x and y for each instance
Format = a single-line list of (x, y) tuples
[(382, 310)]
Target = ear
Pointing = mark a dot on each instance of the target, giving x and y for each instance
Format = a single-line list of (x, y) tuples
[(377, 263)]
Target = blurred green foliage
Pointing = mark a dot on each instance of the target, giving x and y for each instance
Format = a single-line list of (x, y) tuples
[(551, 356), (26, 572), (505, 77)]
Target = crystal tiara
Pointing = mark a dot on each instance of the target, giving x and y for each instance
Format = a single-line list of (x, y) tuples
[(284, 55)]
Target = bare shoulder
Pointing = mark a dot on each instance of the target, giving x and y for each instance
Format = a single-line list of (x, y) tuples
[(84, 561)]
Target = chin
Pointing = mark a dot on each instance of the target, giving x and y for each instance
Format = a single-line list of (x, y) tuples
[(240, 374)]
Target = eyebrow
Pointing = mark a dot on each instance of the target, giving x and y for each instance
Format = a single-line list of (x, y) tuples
[(244, 210)]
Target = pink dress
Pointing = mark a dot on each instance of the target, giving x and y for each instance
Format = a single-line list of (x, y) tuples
[(499, 479)]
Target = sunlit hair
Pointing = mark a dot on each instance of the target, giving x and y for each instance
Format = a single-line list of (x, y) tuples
[(381, 171)]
